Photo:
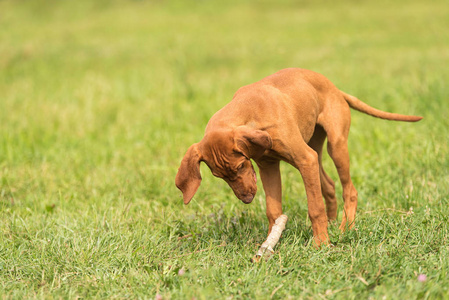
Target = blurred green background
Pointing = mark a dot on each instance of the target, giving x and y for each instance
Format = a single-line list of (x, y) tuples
[(99, 100)]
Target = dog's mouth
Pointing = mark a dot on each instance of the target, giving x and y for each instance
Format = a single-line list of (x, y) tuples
[(248, 198), (245, 193)]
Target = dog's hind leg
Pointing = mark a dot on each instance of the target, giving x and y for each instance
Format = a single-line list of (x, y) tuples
[(337, 146), (327, 184)]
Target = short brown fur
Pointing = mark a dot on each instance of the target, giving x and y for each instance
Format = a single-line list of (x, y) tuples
[(285, 116)]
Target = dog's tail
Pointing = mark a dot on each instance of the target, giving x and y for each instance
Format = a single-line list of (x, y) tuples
[(365, 108)]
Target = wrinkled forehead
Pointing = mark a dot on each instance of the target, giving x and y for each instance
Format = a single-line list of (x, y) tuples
[(221, 139), (219, 151)]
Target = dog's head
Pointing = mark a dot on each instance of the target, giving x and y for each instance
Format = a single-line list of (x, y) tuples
[(227, 153)]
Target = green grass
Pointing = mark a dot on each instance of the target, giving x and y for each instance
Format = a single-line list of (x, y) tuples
[(99, 100)]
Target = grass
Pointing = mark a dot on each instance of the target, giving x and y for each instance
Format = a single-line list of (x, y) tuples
[(100, 100)]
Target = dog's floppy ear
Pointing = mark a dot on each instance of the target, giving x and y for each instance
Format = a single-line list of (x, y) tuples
[(252, 142), (188, 178)]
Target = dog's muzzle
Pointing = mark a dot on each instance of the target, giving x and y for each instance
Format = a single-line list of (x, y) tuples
[(247, 199)]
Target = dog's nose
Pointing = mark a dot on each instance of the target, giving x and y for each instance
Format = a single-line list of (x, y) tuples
[(247, 199)]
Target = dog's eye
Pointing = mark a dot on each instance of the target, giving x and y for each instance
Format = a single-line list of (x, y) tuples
[(241, 166)]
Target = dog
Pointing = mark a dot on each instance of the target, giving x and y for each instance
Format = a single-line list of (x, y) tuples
[(286, 116)]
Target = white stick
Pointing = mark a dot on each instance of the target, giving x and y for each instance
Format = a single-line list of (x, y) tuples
[(267, 247)]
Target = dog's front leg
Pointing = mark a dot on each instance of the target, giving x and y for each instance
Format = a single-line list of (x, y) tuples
[(271, 180), (306, 161)]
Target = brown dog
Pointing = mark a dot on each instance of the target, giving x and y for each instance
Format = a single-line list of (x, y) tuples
[(285, 116)]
